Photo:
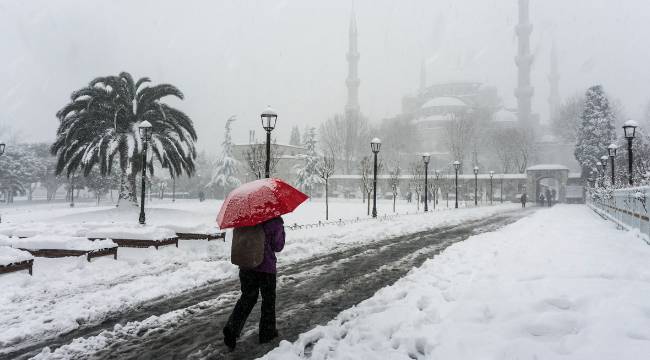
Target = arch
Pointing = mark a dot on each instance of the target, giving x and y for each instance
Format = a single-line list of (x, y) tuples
[(536, 174)]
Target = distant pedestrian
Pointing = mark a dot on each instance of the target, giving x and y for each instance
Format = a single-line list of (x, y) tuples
[(524, 197), (540, 199), (553, 194), (261, 279), (409, 196), (548, 197)]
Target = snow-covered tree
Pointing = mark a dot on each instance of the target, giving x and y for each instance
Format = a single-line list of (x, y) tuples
[(295, 136), (393, 181), (225, 172), (416, 182), (566, 121), (326, 167), (596, 130), (100, 127), (308, 176)]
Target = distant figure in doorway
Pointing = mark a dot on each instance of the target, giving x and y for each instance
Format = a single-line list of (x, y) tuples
[(541, 199), (553, 194), (524, 198), (548, 198)]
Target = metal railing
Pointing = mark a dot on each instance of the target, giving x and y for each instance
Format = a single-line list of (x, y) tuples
[(628, 208)]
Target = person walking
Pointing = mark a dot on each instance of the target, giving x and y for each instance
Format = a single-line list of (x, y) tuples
[(548, 197), (553, 195), (261, 279), (524, 197)]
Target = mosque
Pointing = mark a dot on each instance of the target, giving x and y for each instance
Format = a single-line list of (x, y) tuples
[(436, 105)]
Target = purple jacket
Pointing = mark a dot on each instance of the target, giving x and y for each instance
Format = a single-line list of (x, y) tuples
[(274, 242)]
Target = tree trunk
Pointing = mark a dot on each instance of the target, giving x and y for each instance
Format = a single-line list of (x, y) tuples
[(326, 201), (368, 203), (127, 190), (394, 197)]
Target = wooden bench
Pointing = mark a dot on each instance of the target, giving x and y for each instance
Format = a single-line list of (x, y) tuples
[(56, 253), (200, 236), (22, 265)]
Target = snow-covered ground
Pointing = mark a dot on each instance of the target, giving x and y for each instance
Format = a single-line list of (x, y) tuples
[(67, 292), (560, 284)]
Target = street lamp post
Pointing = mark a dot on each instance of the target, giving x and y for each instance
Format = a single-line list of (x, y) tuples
[(375, 145), (629, 129), (269, 117), (491, 188), (145, 135), (475, 185), (426, 157), (456, 167), (611, 150)]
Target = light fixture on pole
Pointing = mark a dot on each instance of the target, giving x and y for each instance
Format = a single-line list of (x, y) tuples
[(611, 150), (426, 157), (456, 167), (145, 135), (491, 188), (629, 129), (475, 185), (375, 145), (269, 117)]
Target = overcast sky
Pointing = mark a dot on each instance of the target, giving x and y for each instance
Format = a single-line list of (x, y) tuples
[(235, 57)]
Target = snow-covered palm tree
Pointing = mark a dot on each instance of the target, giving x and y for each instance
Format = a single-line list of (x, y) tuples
[(100, 127)]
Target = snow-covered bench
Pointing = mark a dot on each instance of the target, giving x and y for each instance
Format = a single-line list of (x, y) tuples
[(15, 260), (136, 237), (60, 246)]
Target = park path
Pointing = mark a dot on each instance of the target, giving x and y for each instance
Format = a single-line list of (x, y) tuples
[(309, 293)]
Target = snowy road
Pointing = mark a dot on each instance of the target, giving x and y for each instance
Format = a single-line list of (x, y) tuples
[(310, 292)]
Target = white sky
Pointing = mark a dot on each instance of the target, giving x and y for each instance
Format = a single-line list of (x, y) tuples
[(235, 57)]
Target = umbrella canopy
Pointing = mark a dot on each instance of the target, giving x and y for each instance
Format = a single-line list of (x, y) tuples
[(258, 201)]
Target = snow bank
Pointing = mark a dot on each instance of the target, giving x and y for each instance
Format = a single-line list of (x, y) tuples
[(65, 293), (562, 284), (10, 255), (41, 242)]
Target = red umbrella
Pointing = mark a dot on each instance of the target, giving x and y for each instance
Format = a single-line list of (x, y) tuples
[(258, 201)]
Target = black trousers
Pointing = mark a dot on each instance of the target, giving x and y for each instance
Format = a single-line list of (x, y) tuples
[(252, 283)]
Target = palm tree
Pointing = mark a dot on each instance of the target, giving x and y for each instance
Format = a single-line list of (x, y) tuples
[(101, 123)]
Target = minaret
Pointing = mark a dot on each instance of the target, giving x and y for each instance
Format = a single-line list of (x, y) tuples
[(524, 60), (554, 82), (352, 110)]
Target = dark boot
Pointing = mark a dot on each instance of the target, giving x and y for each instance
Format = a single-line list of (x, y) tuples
[(229, 339), (265, 338)]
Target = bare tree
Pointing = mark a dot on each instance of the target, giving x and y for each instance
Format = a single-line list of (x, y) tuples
[(393, 181), (347, 137), (366, 179), (416, 182), (524, 146), (460, 131), (256, 159), (325, 169)]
